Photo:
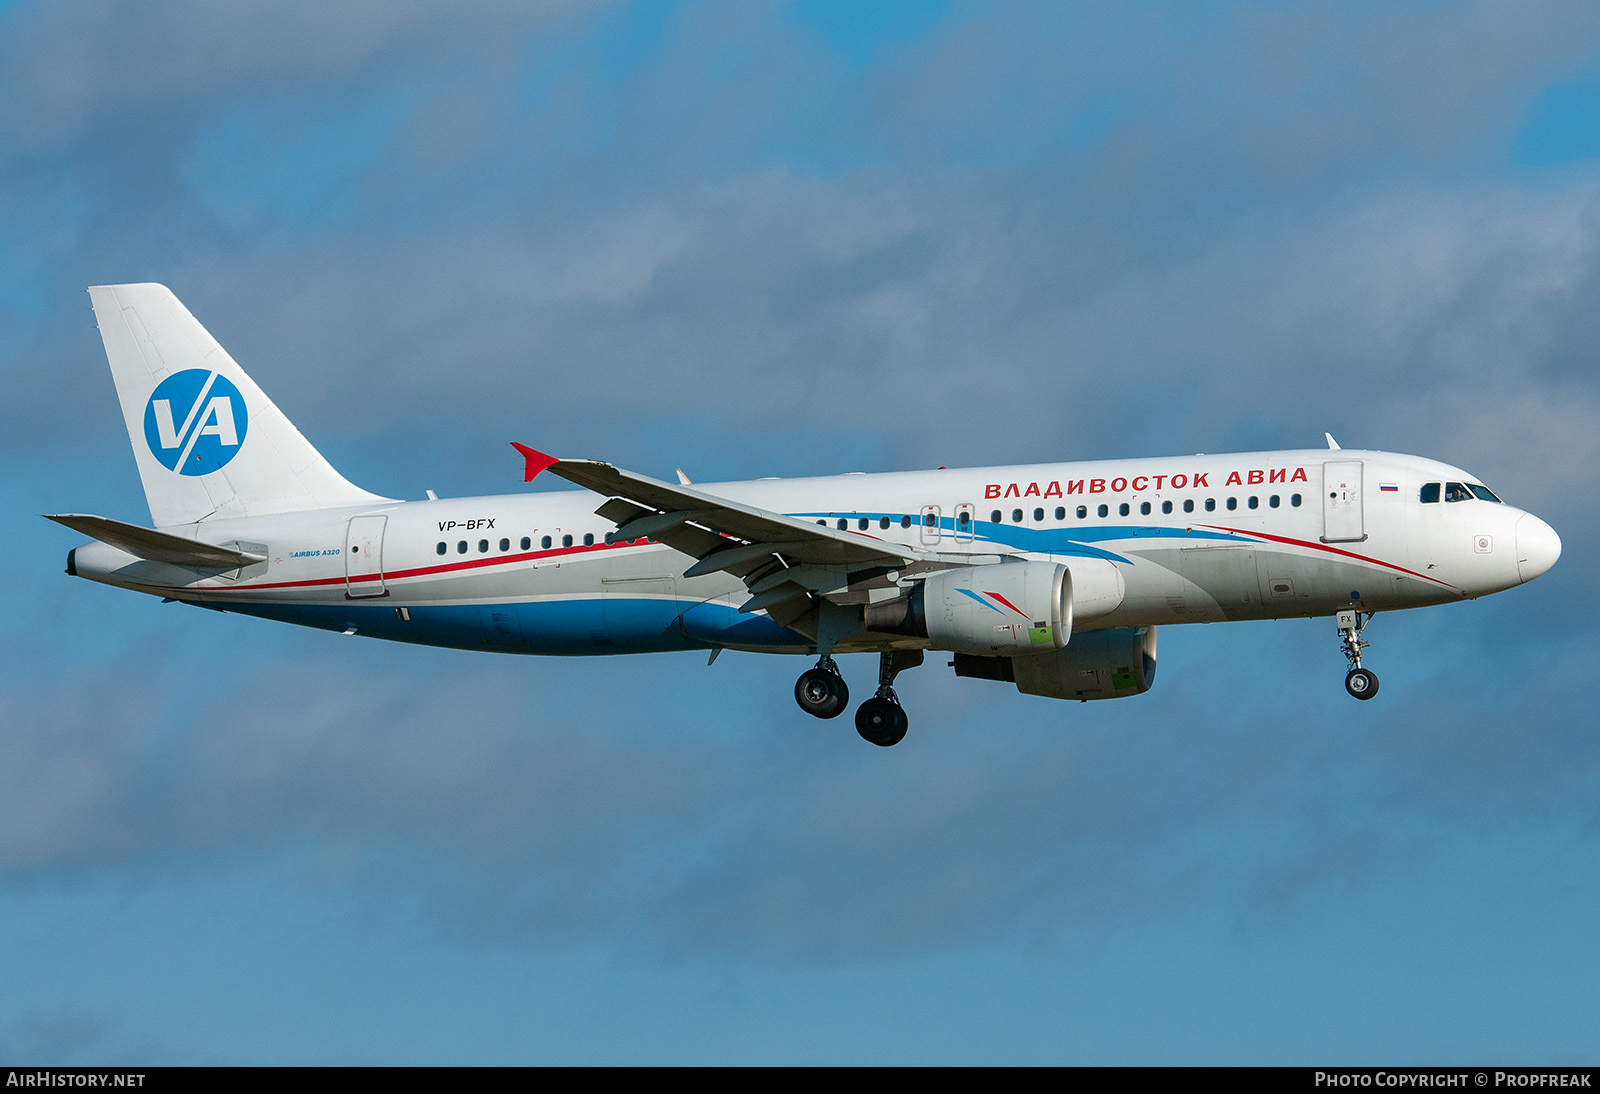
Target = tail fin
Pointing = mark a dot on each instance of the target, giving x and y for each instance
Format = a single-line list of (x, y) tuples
[(208, 442)]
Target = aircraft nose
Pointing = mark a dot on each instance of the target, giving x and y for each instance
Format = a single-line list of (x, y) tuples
[(1538, 547)]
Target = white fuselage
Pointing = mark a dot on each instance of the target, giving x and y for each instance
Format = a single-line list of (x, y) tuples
[(1193, 539)]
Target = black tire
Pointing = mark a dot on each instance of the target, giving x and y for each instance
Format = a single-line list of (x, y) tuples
[(1362, 683), (882, 722), (821, 694)]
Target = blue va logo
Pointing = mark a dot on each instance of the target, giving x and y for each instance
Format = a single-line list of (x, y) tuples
[(195, 422)]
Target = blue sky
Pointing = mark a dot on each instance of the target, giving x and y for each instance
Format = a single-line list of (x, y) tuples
[(777, 239)]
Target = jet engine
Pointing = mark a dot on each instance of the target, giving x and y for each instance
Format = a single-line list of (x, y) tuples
[(1002, 610), (1106, 664)]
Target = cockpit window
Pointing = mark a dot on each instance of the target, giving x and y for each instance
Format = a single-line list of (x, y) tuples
[(1430, 492), (1484, 493), (1455, 491)]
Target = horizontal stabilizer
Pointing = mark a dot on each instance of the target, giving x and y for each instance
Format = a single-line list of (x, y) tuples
[(147, 543)]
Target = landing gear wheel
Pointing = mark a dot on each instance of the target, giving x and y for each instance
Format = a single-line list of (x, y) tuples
[(821, 694), (1359, 682), (1362, 683), (881, 721)]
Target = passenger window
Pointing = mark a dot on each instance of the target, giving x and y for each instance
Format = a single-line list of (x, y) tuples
[(566, 540), (1429, 493), (1038, 514), (1061, 512), (1123, 509), (1104, 511), (844, 525), (461, 548), (1455, 491), (1255, 502), (1211, 505), (905, 521), (483, 546), (505, 545), (994, 517), (1233, 503), (545, 543), (1166, 507), (1188, 505), (442, 547), (526, 543), (1273, 501), (883, 522), (1294, 500), (1083, 511), (1016, 516), (588, 539), (963, 518), (861, 525), (1144, 507)]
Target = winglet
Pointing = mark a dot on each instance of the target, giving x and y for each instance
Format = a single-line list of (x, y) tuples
[(534, 461), (1333, 444)]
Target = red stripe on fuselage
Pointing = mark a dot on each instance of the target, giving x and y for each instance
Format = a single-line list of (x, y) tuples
[(421, 571), (1331, 550)]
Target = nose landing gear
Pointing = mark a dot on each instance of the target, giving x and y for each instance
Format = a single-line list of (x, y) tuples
[(1359, 682)]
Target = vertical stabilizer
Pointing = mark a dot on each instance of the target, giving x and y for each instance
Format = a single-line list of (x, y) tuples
[(208, 442)]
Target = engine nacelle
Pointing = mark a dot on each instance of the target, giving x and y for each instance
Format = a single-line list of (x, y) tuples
[(1009, 609), (994, 611), (1106, 664)]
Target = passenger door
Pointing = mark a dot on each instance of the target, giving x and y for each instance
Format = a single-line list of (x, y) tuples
[(1341, 502), (363, 558)]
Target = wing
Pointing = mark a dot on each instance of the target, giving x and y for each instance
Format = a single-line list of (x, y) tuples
[(783, 560)]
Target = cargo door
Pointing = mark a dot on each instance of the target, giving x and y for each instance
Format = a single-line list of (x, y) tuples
[(638, 607), (1226, 575), (502, 626)]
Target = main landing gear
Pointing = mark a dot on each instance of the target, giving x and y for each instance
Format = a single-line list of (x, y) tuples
[(881, 720), (1360, 682), (821, 692)]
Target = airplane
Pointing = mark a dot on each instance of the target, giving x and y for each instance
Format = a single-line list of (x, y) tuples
[(1052, 577)]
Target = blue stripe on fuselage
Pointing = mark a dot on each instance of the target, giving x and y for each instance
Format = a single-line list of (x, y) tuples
[(1046, 541), (581, 626)]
